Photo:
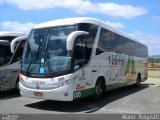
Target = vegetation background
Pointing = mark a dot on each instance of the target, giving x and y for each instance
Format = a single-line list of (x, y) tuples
[(154, 67)]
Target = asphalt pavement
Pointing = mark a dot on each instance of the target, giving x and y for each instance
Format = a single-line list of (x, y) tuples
[(143, 100)]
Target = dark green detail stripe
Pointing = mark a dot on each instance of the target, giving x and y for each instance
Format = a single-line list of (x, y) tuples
[(114, 86), (88, 92), (84, 93)]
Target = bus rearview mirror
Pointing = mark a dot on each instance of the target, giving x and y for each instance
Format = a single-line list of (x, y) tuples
[(71, 37), (13, 43)]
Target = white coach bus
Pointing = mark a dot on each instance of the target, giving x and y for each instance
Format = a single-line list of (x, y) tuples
[(10, 54), (72, 58)]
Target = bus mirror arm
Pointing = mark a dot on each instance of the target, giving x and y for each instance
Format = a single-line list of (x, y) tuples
[(13, 43), (71, 37)]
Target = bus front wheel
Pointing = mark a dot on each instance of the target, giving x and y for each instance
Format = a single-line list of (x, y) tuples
[(99, 88)]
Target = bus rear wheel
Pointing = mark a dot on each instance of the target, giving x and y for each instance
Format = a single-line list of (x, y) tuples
[(99, 88), (138, 81)]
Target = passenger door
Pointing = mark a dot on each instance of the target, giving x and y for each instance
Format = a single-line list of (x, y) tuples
[(82, 71)]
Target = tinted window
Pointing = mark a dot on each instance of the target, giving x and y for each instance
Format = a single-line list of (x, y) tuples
[(89, 40), (79, 53), (126, 46), (105, 42), (18, 51), (1, 55), (84, 44), (5, 54), (112, 42), (9, 38)]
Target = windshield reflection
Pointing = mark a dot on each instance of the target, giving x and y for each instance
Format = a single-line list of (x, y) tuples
[(45, 51)]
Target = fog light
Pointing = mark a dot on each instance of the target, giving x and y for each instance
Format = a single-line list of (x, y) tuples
[(20, 77), (66, 94)]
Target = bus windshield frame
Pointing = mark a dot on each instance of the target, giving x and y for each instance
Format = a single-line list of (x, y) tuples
[(45, 52)]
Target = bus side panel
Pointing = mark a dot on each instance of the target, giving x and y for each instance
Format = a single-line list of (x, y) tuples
[(140, 68), (101, 67), (9, 75), (4, 79), (117, 69), (14, 70), (135, 66), (83, 84)]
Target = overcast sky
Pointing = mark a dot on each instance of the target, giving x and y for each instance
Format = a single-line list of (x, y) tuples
[(139, 18)]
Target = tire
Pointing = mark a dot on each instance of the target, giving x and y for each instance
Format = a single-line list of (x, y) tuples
[(138, 81), (17, 86), (99, 89)]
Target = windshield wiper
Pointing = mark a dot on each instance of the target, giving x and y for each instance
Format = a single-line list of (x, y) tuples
[(46, 54), (34, 59)]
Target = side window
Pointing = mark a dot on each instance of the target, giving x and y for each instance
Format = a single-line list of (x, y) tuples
[(119, 44), (141, 50), (5, 54), (9, 38), (105, 42), (8, 54), (123, 45), (89, 41), (1, 55), (112, 42), (18, 51), (79, 52)]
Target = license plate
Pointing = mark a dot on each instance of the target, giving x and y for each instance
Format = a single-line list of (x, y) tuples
[(39, 94)]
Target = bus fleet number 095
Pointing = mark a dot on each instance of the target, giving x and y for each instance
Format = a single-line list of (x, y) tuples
[(77, 94)]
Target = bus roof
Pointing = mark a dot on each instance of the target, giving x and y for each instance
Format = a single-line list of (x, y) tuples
[(76, 20), (67, 21), (16, 34)]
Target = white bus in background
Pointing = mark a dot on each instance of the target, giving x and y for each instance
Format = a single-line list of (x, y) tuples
[(10, 54), (72, 58)]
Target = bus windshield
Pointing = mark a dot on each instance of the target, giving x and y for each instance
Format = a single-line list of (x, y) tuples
[(45, 50)]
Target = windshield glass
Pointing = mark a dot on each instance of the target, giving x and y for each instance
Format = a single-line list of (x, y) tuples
[(45, 50)]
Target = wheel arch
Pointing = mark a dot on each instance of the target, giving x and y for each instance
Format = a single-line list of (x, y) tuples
[(102, 78)]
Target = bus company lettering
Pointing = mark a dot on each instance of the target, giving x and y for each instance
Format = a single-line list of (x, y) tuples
[(79, 87), (37, 82), (115, 60)]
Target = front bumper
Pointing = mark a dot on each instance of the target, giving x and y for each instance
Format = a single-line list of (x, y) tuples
[(64, 93)]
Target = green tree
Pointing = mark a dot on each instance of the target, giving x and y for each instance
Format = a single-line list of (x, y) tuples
[(152, 64)]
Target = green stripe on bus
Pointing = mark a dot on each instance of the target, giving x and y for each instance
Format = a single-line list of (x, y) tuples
[(114, 86), (83, 93), (88, 92)]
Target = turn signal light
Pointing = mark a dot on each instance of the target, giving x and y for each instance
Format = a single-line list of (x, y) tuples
[(20, 77)]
